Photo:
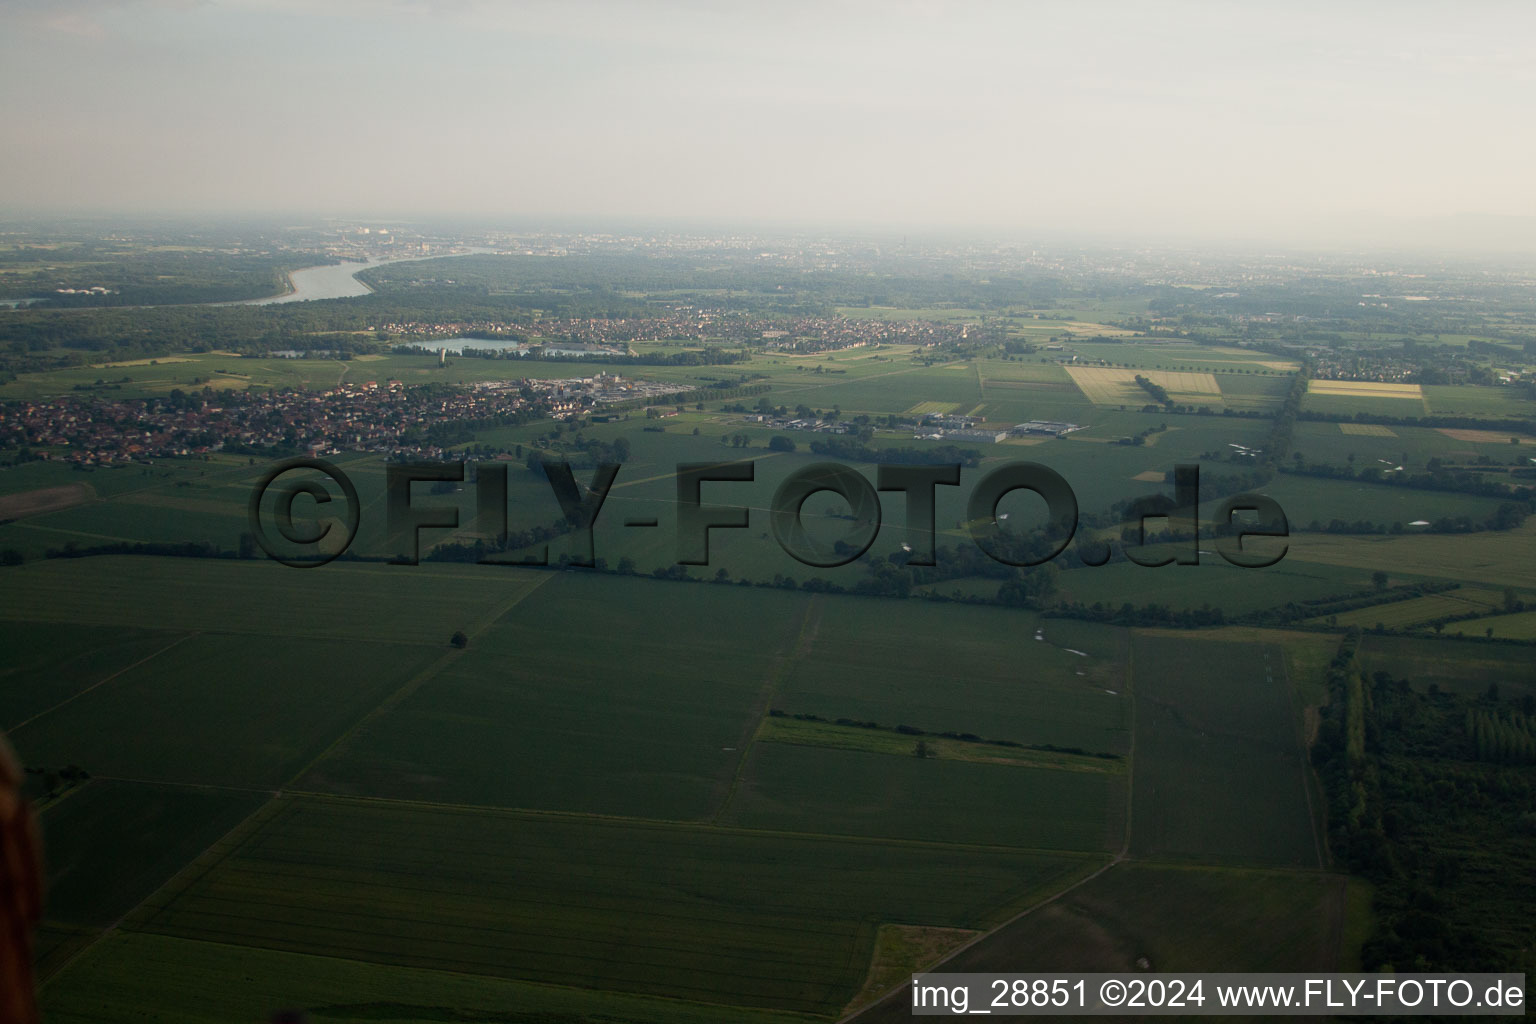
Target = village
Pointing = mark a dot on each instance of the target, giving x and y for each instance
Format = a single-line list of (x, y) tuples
[(392, 418)]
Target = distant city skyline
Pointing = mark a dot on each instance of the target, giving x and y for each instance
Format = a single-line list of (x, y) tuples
[(1301, 123)]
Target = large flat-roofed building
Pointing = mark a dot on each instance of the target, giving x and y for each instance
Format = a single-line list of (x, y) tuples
[(1055, 428)]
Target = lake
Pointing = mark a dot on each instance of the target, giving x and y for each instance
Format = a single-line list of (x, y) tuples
[(458, 345)]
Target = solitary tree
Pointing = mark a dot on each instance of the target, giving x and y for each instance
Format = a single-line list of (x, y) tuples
[(460, 639)]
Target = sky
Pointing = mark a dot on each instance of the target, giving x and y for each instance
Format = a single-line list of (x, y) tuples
[(1175, 118)]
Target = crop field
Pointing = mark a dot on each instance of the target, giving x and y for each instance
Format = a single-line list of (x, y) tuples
[(111, 844), (45, 499), (980, 671), (1108, 385), (1482, 402), (1517, 626), (1213, 582), (1306, 499), (48, 663), (885, 390), (581, 701), (137, 975), (1486, 436), (1003, 372), (1397, 614), (173, 501), (624, 798), (487, 730), (1461, 666), (590, 903), (420, 604), (1365, 389), (467, 736), (528, 716), (784, 788), (1183, 357), (901, 313), (1306, 653), (1177, 918), (1251, 392), (1410, 447), (1501, 559), (1352, 396), (1220, 766), (810, 732), (263, 708)]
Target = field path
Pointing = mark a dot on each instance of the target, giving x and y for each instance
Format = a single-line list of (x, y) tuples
[(804, 640), (1301, 751), (414, 683), (230, 840), (893, 1005), (104, 681)]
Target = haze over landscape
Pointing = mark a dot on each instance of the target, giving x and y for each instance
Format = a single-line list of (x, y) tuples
[(1303, 123), (683, 513)]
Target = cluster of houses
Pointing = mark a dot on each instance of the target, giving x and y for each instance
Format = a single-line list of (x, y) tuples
[(389, 417), (798, 335)]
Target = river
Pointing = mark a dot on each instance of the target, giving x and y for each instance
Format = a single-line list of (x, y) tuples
[(335, 281)]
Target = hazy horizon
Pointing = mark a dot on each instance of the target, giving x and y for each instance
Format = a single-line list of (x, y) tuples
[(1380, 123)]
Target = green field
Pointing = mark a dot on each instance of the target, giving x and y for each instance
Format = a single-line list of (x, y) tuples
[(1179, 917), (420, 604), (1457, 665), (1520, 626), (1213, 582), (136, 975), (979, 672), (50, 662), (1348, 405), (904, 797), (1480, 402), (716, 915), (1500, 559), (581, 701), (1311, 499), (1159, 917), (1410, 447), (632, 799), (574, 704), (256, 710), (112, 844), (1397, 614), (1220, 767)]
